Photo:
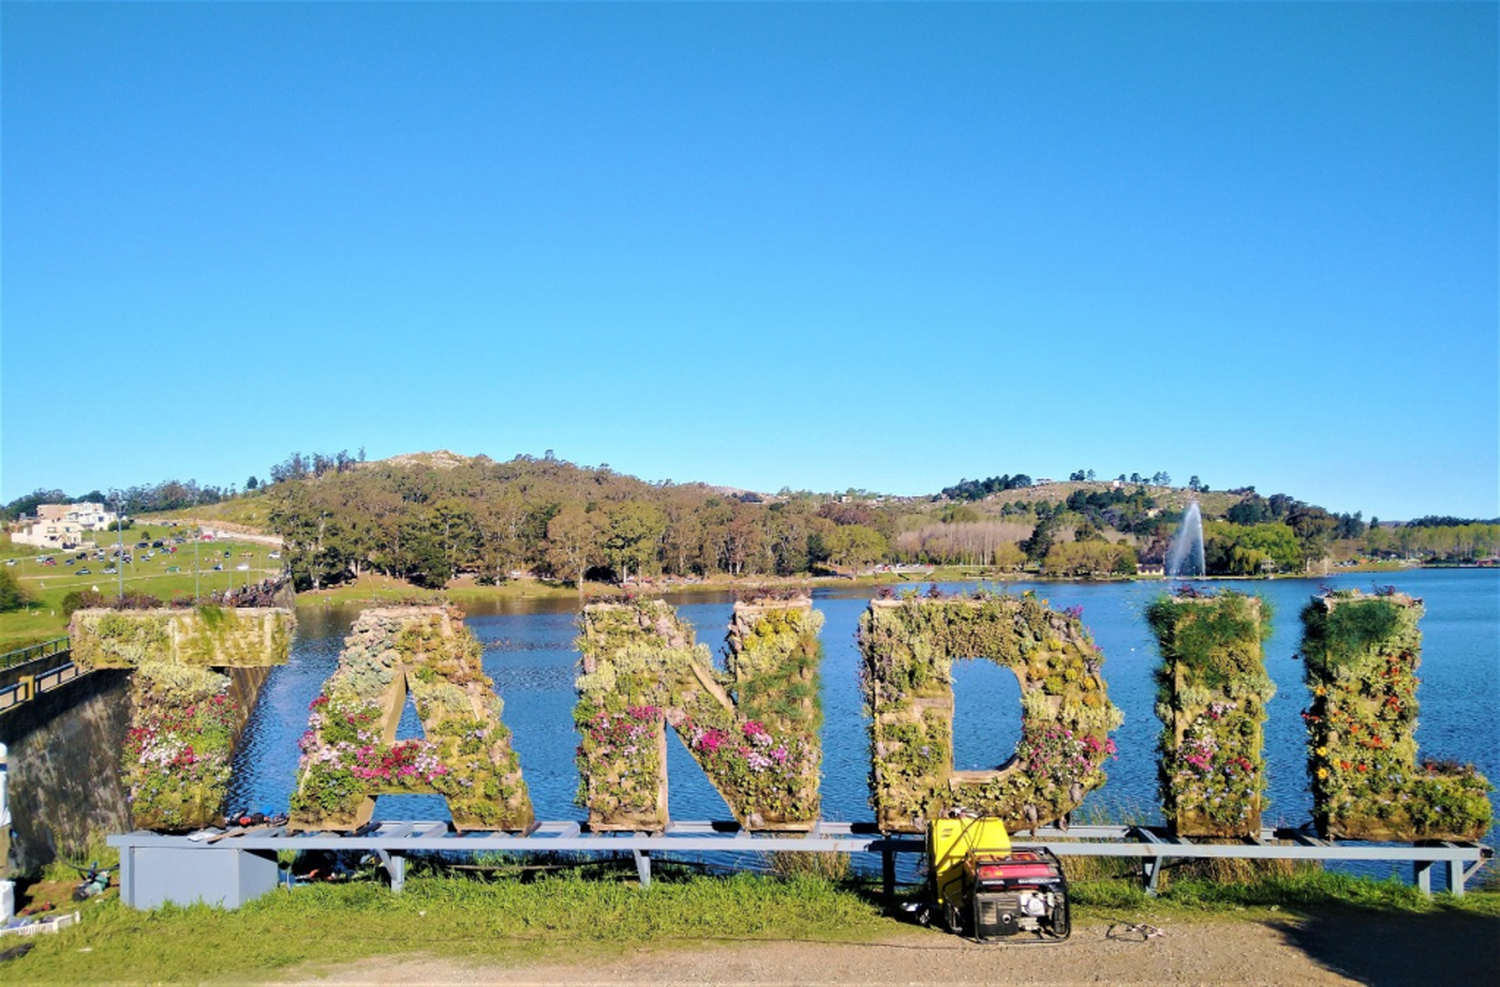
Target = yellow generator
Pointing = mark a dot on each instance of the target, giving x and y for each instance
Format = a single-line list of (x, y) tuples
[(984, 887)]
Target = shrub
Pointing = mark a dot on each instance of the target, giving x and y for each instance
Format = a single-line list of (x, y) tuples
[(82, 599), (13, 595)]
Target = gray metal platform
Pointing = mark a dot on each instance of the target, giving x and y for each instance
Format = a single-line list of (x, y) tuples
[(231, 867)]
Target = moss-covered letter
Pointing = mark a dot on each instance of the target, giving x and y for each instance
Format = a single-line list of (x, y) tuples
[(1066, 716), (753, 730), (350, 753), (184, 716), (1361, 655), (1212, 690)]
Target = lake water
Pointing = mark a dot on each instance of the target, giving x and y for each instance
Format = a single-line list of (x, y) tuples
[(529, 653)]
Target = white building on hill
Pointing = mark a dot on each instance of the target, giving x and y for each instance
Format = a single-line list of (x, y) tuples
[(62, 525)]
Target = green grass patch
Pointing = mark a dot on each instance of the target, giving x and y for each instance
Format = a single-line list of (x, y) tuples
[(369, 589), (1306, 893), (1313, 893), (327, 925), (567, 916), (47, 585)]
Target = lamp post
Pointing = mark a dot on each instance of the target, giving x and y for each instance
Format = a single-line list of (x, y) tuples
[(120, 551)]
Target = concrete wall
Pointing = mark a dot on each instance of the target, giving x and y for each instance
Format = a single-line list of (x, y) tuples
[(65, 762), (65, 766)]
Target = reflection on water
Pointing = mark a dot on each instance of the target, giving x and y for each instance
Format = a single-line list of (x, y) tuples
[(529, 653)]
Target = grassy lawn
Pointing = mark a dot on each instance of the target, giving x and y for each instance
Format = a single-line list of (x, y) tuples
[(251, 511), (504, 920), (333, 924), (47, 585)]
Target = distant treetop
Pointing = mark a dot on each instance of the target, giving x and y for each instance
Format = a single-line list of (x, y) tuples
[(980, 489)]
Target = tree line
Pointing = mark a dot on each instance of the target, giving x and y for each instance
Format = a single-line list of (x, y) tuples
[(554, 519), (427, 522), (551, 518), (169, 495), (980, 489)]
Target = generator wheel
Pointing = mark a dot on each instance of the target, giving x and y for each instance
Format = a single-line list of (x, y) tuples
[(954, 916)]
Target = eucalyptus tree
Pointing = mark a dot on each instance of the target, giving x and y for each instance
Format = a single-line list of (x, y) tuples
[(575, 538), (633, 532)]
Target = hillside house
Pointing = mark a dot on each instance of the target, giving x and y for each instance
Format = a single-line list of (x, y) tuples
[(62, 526)]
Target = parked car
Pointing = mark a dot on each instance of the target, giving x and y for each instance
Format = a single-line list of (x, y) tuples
[(70, 562), (218, 567), (274, 555), (242, 567), (110, 570), (83, 572), (174, 568)]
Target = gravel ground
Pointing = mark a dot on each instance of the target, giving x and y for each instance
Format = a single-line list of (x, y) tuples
[(1446, 950)]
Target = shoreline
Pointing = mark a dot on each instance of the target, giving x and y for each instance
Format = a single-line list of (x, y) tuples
[(386, 589)]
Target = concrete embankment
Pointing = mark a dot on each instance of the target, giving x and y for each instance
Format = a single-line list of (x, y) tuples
[(64, 745)]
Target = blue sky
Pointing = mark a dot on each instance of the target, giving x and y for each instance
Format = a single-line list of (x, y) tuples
[(820, 246)]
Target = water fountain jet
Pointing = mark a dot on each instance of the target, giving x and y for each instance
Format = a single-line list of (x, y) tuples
[(1186, 550)]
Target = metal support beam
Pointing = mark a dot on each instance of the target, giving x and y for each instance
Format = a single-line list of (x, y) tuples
[(1470, 871), (395, 868), (1456, 878), (1150, 865), (392, 841), (1421, 875)]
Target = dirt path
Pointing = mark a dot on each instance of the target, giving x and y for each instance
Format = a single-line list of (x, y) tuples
[(1343, 949)]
